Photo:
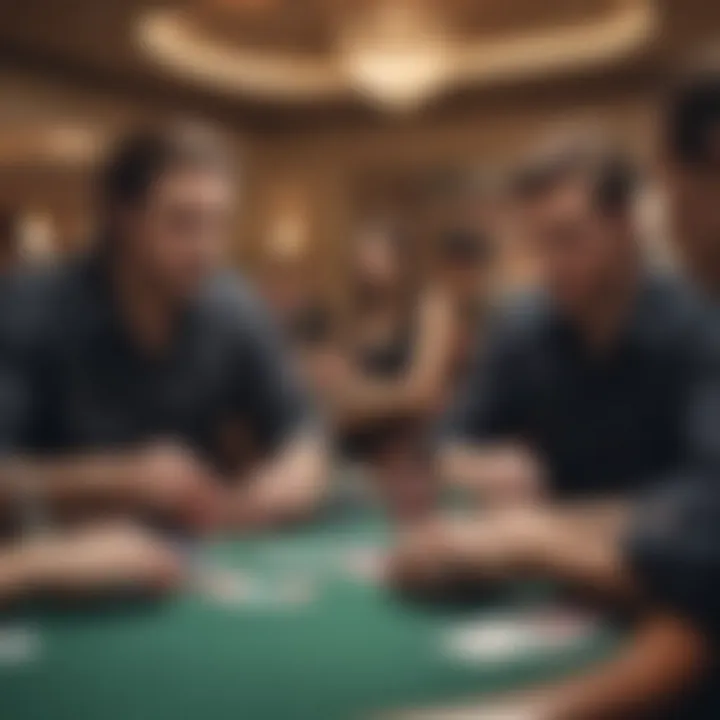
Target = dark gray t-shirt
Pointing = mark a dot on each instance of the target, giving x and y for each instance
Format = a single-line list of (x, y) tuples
[(71, 379)]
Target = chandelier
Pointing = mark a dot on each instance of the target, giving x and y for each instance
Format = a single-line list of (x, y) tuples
[(396, 56)]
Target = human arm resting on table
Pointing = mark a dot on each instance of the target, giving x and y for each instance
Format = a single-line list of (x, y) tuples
[(164, 480), (664, 657), (89, 560), (564, 545)]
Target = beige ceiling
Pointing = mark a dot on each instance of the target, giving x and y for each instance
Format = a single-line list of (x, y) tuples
[(394, 52), (308, 25), (93, 45)]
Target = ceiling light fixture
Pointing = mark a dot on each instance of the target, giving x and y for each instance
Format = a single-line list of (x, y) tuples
[(397, 56), (395, 53)]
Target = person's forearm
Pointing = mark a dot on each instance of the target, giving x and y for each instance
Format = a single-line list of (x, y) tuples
[(290, 484), (581, 549), (65, 482), (470, 468), (500, 472), (304, 462), (661, 661), (365, 400), (568, 545)]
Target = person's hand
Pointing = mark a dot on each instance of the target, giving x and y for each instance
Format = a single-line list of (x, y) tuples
[(99, 560), (512, 476), (170, 481), (282, 500), (502, 476), (430, 553), (489, 547)]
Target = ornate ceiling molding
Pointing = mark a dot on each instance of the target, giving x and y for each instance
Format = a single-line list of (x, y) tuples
[(429, 61)]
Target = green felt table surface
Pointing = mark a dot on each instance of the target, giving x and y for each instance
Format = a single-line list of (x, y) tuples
[(349, 650)]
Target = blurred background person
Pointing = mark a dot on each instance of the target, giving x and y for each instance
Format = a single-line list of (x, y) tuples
[(389, 379), (406, 341), (463, 268), (285, 284)]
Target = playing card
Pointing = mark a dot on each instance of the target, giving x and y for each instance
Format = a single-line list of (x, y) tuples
[(365, 564), (502, 638)]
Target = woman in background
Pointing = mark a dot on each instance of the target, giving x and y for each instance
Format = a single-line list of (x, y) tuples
[(403, 348)]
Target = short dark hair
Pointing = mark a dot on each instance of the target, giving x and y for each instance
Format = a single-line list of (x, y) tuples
[(143, 155), (611, 173), (692, 112), (466, 246)]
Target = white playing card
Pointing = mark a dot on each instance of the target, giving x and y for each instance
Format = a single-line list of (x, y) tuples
[(19, 644)]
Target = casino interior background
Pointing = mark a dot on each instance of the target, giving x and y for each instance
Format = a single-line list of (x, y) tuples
[(341, 110)]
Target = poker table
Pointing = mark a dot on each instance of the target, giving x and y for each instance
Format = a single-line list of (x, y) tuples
[(312, 639)]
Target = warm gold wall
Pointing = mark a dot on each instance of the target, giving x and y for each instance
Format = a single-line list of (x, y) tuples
[(323, 171), (317, 175)]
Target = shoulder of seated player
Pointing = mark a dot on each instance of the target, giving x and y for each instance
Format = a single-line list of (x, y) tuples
[(37, 303)]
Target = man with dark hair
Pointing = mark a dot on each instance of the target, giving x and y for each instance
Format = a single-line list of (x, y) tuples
[(663, 557), (691, 164), (147, 380), (577, 392)]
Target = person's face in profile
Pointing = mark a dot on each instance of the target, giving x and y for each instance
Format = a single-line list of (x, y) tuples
[(693, 196), (575, 248), (178, 235)]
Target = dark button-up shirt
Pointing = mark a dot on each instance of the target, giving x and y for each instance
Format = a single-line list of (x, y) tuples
[(603, 423), (72, 379)]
